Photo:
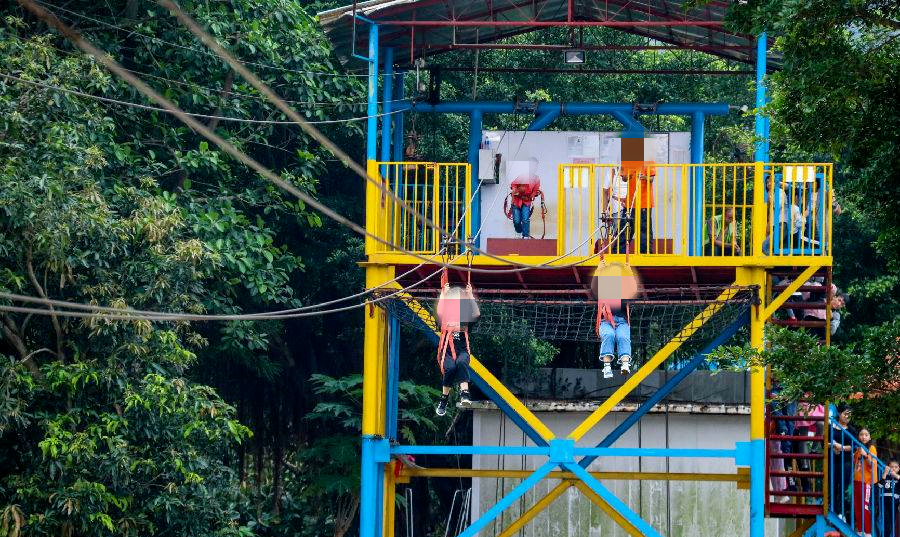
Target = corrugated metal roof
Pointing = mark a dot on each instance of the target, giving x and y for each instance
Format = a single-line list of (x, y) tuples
[(426, 27)]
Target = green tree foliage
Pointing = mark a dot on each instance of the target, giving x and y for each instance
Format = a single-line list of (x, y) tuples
[(866, 373), (836, 99), (105, 429)]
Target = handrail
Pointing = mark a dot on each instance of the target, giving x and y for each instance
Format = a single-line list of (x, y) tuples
[(857, 498)]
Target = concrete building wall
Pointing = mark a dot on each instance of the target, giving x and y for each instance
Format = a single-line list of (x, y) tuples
[(674, 508)]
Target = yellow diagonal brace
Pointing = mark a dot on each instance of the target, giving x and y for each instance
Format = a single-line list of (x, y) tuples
[(802, 526), (535, 509), (479, 369), (606, 508), (661, 356), (791, 289)]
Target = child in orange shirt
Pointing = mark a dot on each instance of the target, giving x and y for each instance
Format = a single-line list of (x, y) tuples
[(865, 475)]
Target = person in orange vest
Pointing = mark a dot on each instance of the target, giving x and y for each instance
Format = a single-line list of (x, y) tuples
[(640, 177)]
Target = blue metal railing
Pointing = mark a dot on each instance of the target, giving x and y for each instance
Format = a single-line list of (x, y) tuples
[(856, 505)]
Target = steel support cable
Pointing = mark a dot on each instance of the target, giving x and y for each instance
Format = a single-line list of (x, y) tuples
[(149, 92), (146, 90), (192, 114), (192, 49), (238, 94), (101, 312), (260, 86)]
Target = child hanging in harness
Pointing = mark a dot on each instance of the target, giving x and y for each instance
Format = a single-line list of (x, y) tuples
[(456, 309), (523, 190), (612, 285)]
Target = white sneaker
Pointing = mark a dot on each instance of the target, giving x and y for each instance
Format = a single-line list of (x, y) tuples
[(607, 370), (625, 364)]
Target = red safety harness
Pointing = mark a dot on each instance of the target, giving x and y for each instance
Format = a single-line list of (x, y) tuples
[(508, 205)]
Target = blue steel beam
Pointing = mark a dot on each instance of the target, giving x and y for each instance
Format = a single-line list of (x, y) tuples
[(388, 83), (667, 388), (474, 145), (393, 379), (372, 97), (695, 236), (762, 122), (508, 500), (547, 450)]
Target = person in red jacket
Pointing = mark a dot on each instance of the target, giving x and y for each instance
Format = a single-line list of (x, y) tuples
[(523, 190)]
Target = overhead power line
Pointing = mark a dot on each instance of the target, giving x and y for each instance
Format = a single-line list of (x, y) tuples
[(192, 114)]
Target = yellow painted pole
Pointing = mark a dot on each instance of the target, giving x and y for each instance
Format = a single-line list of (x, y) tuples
[(374, 356), (661, 356), (756, 276)]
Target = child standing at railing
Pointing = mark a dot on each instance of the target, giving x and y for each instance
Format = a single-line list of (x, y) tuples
[(888, 490), (865, 475)]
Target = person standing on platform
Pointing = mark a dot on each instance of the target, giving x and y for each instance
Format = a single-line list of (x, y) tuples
[(523, 190)]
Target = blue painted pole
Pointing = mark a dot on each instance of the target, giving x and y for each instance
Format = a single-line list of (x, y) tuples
[(368, 499), (369, 508), (762, 128), (372, 98), (474, 145), (388, 82), (393, 380), (695, 238)]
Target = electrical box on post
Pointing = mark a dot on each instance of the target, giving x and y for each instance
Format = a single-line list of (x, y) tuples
[(487, 167)]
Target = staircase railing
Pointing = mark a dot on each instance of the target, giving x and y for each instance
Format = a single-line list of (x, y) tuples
[(854, 508)]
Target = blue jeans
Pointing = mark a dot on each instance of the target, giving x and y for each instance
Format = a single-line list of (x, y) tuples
[(618, 338), (521, 217)]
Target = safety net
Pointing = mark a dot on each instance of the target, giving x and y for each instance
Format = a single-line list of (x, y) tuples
[(690, 315)]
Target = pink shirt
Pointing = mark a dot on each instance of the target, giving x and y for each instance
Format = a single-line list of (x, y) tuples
[(805, 409), (818, 314)]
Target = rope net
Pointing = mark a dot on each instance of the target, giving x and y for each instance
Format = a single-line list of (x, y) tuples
[(692, 315)]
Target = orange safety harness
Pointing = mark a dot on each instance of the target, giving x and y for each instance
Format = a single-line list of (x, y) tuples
[(507, 208), (448, 327)]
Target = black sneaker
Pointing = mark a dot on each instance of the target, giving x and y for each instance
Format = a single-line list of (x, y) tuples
[(464, 399), (441, 408)]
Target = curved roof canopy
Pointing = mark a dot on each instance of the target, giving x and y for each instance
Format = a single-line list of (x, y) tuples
[(416, 28)]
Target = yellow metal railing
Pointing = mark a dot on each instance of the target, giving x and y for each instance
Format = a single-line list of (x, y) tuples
[(439, 192), (696, 209)]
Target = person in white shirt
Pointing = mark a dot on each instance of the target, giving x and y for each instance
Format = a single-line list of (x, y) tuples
[(613, 202)]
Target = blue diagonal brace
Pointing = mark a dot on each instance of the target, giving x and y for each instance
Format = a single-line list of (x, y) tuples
[(613, 501), (508, 500), (670, 385)]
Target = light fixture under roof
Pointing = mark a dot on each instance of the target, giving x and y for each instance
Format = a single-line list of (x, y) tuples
[(575, 56)]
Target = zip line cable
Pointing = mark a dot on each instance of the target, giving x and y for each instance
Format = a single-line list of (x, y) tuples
[(201, 116), (136, 314), (192, 49), (238, 94), (149, 92), (260, 86), (143, 88)]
